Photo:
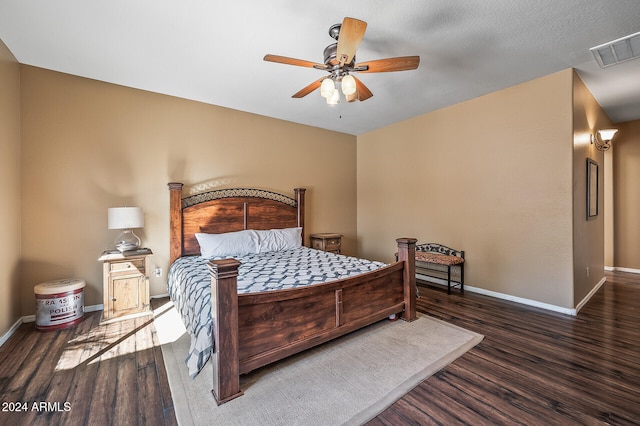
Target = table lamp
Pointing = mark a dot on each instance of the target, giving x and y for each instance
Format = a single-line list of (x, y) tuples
[(126, 218)]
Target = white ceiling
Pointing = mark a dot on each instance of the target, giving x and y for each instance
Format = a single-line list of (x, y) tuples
[(211, 51)]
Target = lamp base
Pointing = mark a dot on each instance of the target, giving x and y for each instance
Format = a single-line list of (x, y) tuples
[(127, 240)]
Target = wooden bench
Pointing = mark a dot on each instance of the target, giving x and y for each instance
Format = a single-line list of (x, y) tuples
[(438, 261)]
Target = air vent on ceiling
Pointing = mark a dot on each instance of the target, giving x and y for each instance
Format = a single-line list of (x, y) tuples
[(615, 52)]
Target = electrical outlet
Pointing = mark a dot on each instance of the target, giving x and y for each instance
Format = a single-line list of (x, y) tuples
[(587, 271), (158, 272)]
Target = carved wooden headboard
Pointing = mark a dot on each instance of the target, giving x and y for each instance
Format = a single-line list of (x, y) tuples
[(228, 210)]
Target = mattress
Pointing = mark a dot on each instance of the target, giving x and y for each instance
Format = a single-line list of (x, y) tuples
[(189, 284)]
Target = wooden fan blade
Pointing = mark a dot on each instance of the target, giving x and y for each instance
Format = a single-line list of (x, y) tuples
[(293, 61), (351, 34), (402, 63), (308, 89), (363, 91)]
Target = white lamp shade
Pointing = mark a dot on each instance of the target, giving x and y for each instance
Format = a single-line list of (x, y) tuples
[(607, 134), (125, 217)]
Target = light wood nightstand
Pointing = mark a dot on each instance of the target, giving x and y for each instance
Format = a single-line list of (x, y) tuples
[(327, 242), (125, 284)]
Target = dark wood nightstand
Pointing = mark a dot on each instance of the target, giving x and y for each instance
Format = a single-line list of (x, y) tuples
[(327, 242)]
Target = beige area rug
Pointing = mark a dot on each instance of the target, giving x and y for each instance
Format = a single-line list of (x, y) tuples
[(347, 381)]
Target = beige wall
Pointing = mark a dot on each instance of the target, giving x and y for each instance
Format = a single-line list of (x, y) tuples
[(626, 177), (497, 176), (588, 235), (609, 224), (9, 189), (491, 176), (89, 145)]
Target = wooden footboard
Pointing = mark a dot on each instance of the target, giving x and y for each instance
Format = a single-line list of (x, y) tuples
[(256, 329)]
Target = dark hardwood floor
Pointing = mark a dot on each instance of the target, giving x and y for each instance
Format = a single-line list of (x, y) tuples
[(111, 374), (533, 367)]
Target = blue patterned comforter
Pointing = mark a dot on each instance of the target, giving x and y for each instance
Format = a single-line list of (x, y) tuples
[(189, 283)]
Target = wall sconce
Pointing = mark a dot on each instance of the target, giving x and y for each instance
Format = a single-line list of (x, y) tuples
[(602, 138)]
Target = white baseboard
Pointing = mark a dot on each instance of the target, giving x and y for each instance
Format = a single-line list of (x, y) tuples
[(32, 318), (93, 308), (621, 269), (590, 295), (12, 330), (160, 296), (511, 298), (521, 300)]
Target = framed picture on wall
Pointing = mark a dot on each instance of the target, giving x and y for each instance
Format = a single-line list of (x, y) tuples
[(592, 189)]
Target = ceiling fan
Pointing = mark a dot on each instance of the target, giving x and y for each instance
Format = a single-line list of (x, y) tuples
[(340, 62)]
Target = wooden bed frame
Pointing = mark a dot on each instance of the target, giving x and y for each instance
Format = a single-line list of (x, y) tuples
[(256, 329)]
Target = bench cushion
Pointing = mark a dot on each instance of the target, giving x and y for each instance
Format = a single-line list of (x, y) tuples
[(441, 259)]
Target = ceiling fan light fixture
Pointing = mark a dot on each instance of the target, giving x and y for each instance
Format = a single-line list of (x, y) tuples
[(334, 98), (340, 62), (327, 88), (348, 85)]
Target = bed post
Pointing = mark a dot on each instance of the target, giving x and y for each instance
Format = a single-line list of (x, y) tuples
[(300, 199), (407, 254), (175, 221), (224, 315)]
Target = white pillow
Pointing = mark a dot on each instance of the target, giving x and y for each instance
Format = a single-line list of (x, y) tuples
[(237, 243), (279, 239)]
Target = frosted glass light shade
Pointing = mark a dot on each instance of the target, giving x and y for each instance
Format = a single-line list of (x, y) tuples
[(607, 134), (348, 85), (125, 217), (327, 88), (334, 98)]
